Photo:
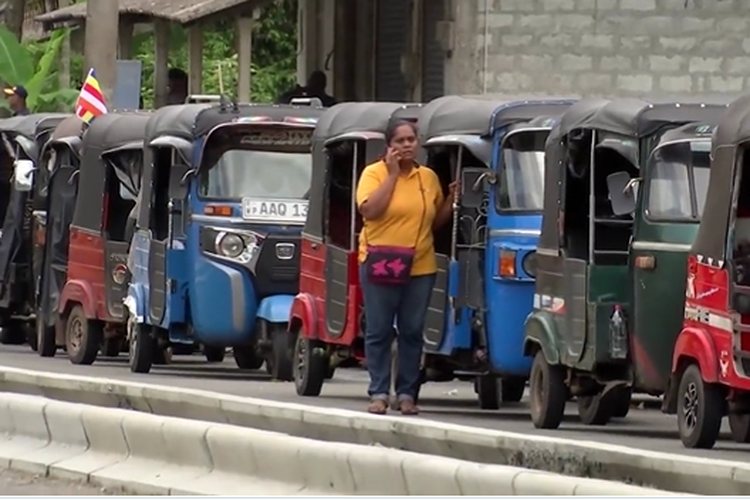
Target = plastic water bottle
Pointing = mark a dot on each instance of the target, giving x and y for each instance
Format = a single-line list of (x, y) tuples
[(618, 334)]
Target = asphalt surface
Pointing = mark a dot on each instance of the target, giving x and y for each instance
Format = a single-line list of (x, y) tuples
[(453, 402), (14, 483)]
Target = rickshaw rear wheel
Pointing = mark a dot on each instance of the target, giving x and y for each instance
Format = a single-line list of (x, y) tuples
[(621, 401), (310, 367), (512, 389), (282, 352), (214, 354), (548, 393), (247, 357), (112, 347), (594, 410), (45, 338), (739, 424), (700, 409), (488, 392), (82, 337), (141, 348)]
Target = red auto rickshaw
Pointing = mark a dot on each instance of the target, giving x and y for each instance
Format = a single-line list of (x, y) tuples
[(711, 359), (326, 324)]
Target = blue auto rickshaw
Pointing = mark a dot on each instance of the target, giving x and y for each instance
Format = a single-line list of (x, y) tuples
[(485, 284), (215, 254)]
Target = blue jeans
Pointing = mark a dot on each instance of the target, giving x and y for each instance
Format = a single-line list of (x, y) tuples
[(407, 304)]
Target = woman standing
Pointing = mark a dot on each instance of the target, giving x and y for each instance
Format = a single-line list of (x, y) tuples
[(402, 203)]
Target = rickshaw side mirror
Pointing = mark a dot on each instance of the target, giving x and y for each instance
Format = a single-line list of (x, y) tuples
[(473, 185), (178, 181), (23, 175), (622, 192)]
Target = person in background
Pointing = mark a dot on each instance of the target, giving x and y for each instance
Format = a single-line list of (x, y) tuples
[(16, 97), (177, 86), (402, 204), (316, 87)]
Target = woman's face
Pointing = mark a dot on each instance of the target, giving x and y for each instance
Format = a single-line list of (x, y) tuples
[(405, 142)]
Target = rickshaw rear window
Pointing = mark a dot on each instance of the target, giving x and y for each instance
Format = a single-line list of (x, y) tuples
[(521, 183), (678, 181)]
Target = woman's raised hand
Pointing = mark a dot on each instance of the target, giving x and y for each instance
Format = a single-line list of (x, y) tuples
[(392, 161)]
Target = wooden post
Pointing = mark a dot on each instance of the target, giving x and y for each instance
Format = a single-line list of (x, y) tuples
[(161, 62), (195, 60), (125, 42), (100, 52), (244, 57), (64, 73)]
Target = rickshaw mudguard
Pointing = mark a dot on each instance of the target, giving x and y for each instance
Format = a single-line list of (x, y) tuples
[(540, 330), (276, 308), (303, 316), (78, 292), (694, 344), (135, 302)]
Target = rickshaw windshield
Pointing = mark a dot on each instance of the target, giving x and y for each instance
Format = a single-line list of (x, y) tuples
[(262, 165), (521, 186), (678, 181)]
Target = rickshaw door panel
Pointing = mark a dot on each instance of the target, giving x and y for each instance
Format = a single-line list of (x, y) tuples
[(575, 290), (115, 264), (337, 289), (157, 278)]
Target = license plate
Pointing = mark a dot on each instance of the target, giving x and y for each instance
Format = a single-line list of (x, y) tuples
[(288, 211)]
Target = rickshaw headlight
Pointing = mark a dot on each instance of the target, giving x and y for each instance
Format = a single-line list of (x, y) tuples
[(529, 264), (230, 245)]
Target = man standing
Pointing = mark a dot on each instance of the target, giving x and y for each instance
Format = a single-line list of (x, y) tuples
[(16, 97), (178, 86), (316, 87)]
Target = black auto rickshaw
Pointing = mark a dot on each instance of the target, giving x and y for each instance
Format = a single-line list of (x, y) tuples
[(22, 138), (606, 315)]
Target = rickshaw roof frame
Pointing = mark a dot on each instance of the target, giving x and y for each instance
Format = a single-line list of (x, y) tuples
[(483, 115), (68, 133), (33, 125), (347, 120), (686, 133)]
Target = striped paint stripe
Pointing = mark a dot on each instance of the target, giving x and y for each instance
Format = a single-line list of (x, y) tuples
[(709, 318)]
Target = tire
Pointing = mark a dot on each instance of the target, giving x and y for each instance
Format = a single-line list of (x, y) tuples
[(11, 335), (488, 392), (548, 393), (247, 358), (512, 389), (593, 411), (45, 338), (282, 352), (214, 354), (331, 372), (83, 337), (141, 347), (700, 409), (620, 401), (30, 334), (162, 355), (739, 424), (111, 347), (310, 367)]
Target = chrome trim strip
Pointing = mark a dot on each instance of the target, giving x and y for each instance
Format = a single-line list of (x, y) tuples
[(660, 246), (515, 232), (212, 219)]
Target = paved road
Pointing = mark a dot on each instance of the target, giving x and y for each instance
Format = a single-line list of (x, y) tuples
[(450, 402), (14, 483)]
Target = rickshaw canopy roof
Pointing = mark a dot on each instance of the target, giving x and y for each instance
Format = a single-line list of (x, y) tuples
[(639, 117), (115, 130), (70, 127), (31, 126), (479, 115), (351, 118), (734, 127), (689, 132)]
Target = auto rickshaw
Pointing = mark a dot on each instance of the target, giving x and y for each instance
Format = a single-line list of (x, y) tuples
[(215, 256), (23, 138), (607, 263), (485, 282), (54, 200), (104, 190), (710, 369), (327, 318)]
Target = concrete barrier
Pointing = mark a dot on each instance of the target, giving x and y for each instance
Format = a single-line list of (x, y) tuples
[(574, 458), (148, 454)]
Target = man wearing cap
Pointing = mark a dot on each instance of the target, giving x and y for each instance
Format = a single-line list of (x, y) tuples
[(16, 97)]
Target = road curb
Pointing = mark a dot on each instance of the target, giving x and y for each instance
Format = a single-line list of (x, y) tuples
[(575, 458), (146, 454)]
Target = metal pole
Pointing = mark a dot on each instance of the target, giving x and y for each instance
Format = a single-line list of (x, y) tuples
[(100, 49)]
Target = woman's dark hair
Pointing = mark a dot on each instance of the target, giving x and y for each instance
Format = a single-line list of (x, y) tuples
[(394, 125)]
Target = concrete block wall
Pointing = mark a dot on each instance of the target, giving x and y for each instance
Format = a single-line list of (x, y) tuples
[(602, 47)]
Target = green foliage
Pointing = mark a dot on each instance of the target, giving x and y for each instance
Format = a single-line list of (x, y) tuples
[(34, 67)]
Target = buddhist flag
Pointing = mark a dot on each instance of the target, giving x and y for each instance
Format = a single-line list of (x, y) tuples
[(91, 100)]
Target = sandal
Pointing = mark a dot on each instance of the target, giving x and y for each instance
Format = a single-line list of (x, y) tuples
[(377, 407), (407, 407)]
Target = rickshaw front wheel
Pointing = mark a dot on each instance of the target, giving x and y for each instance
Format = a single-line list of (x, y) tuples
[(45, 337), (141, 347), (82, 337), (548, 393), (282, 352), (214, 354), (621, 404), (310, 365), (739, 424), (247, 357), (593, 410), (512, 389), (700, 409), (488, 392)]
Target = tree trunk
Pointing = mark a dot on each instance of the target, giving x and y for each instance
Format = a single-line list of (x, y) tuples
[(13, 16)]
